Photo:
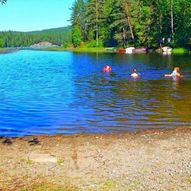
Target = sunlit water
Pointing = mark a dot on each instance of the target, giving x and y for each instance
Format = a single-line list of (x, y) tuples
[(63, 92)]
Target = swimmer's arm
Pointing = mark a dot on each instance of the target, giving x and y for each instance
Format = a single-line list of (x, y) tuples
[(171, 75), (168, 75)]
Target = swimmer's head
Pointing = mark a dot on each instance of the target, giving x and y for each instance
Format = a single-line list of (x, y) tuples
[(134, 70), (107, 66), (177, 69)]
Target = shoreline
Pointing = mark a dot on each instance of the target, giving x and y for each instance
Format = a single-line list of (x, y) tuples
[(78, 50), (130, 133), (109, 50), (8, 50), (150, 159)]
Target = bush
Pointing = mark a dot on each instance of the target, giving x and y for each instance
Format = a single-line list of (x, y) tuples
[(65, 45), (179, 51), (94, 44), (76, 36)]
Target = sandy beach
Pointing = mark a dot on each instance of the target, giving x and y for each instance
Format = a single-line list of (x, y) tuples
[(144, 160)]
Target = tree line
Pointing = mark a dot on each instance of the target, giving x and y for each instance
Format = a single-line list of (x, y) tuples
[(59, 36), (131, 22)]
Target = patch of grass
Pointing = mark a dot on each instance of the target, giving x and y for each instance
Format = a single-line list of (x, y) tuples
[(179, 51), (135, 185), (82, 49), (29, 162), (189, 179), (7, 50), (3, 50), (90, 49), (109, 185), (60, 162), (50, 187)]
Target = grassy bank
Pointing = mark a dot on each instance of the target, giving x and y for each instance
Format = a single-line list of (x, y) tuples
[(105, 50), (7, 50), (2, 50), (84, 49), (179, 51)]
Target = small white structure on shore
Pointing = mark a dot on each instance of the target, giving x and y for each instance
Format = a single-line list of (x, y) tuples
[(166, 50), (130, 50), (42, 44)]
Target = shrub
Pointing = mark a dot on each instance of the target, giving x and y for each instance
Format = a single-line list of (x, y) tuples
[(179, 51)]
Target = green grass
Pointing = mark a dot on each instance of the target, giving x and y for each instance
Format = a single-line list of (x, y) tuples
[(179, 51), (2, 50), (29, 162), (60, 162), (7, 50), (84, 49), (89, 49), (49, 187), (109, 185), (189, 179)]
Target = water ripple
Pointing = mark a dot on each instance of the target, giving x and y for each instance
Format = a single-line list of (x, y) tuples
[(61, 92)]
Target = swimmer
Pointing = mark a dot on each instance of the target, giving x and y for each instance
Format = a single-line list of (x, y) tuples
[(134, 73), (175, 73), (106, 68)]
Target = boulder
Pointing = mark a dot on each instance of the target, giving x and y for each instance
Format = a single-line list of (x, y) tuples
[(42, 44), (130, 50)]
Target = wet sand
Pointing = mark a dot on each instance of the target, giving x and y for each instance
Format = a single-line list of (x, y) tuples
[(145, 160)]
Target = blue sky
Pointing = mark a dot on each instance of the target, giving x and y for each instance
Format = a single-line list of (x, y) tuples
[(29, 15)]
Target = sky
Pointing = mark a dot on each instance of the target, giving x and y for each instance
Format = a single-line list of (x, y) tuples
[(30, 15)]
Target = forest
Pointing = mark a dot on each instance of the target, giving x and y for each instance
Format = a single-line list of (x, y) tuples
[(123, 23), (58, 36)]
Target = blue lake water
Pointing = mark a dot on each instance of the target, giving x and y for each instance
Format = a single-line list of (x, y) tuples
[(45, 93)]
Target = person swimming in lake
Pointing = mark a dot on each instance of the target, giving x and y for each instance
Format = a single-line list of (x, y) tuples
[(106, 68), (175, 73), (134, 73)]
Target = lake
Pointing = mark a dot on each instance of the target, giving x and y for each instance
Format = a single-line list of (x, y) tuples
[(46, 93)]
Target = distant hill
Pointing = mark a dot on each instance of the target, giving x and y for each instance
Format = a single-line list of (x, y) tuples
[(57, 36), (54, 30)]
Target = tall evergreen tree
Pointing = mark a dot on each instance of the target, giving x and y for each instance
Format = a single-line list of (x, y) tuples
[(78, 20), (122, 21), (96, 16)]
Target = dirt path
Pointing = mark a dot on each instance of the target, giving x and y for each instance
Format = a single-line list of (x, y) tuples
[(146, 160)]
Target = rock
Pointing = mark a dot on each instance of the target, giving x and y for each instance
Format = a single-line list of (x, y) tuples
[(130, 50), (33, 141), (7, 141), (42, 44)]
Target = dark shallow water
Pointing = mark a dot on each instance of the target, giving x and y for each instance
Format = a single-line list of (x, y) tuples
[(63, 92)]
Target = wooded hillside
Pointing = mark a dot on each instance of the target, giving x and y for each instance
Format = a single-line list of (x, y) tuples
[(57, 36)]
